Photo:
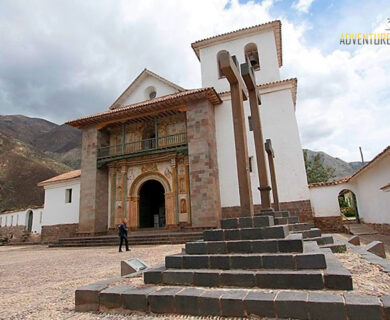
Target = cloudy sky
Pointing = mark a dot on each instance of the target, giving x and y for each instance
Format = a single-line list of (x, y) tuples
[(61, 59)]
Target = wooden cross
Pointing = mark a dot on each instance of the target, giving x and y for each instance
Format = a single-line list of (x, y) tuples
[(230, 70), (254, 102), (270, 151)]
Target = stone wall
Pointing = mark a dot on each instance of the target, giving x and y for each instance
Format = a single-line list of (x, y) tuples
[(13, 233), (54, 232), (383, 228), (302, 209), (329, 224), (203, 165)]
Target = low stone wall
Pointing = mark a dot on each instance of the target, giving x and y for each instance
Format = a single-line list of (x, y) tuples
[(301, 209), (54, 232), (329, 224), (383, 228), (13, 233)]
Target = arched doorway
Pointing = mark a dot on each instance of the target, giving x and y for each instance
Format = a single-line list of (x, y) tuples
[(29, 221), (151, 205), (348, 206)]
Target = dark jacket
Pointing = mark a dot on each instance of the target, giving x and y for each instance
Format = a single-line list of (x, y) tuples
[(122, 230)]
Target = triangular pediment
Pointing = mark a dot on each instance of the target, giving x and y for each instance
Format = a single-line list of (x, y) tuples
[(147, 85)]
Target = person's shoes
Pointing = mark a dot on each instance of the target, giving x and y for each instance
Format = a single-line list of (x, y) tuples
[(128, 249), (120, 250)]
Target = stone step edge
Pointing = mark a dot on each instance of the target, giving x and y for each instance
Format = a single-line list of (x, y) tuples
[(231, 303)]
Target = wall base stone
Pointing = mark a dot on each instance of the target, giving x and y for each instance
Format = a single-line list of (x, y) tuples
[(383, 228), (14, 233), (301, 209), (329, 224), (54, 232)]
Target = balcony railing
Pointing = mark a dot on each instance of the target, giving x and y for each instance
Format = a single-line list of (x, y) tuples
[(141, 146)]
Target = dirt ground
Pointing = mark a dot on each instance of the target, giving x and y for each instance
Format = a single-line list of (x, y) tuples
[(37, 282)]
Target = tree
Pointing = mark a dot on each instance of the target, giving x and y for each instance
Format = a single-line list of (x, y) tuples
[(315, 170)]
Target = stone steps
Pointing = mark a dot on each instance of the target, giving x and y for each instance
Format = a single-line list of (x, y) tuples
[(232, 303), (275, 214), (322, 240), (300, 226), (247, 222), (287, 220), (272, 232)]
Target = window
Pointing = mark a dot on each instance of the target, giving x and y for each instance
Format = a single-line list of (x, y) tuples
[(252, 55), (250, 164), (68, 195), (17, 219), (250, 123), (150, 92), (40, 217), (12, 220), (220, 75)]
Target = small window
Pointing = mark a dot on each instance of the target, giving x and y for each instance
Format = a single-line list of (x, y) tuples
[(250, 123), (12, 220), (150, 92), (250, 164), (152, 95), (68, 195), (6, 220), (17, 219)]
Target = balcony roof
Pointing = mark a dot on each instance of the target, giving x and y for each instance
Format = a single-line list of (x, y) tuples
[(148, 106)]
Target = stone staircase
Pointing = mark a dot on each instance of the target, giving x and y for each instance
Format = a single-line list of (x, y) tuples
[(264, 266), (148, 237)]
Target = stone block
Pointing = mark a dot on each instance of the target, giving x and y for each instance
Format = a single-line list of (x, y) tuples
[(313, 233), (251, 234), (198, 247), (386, 306), (229, 223), (110, 298), (290, 304), (232, 303), (338, 279), (245, 262), (206, 278), (153, 276), (237, 278), (245, 222), (163, 300), (362, 307), (195, 262), (264, 246), (136, 299), (213, 235), (280, 221), (278, 261), (220, 262), (216, 247), (310, 261), (262, 221), (279, 279), (209, 303), (178, 277), (174, 261), (355, 240), (324, 306), (87, 298), (232, 234), (293, 245), (377, 248), (260, 304), (187, 301), (275, 232), (243, 246)]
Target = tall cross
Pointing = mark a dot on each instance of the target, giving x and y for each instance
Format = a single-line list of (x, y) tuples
[(270, 151), (254, 102), (230, 70)]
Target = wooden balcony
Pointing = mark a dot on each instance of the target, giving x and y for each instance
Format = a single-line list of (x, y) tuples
[(142, 147)]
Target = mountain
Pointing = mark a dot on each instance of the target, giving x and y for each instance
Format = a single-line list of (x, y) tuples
[(341, 167), (21, 167), (60, 142)]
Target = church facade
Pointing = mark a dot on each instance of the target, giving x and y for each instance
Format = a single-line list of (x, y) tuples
[(164, 157)]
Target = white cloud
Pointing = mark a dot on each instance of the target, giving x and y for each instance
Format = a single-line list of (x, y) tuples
[(63, 59), (302, 5)]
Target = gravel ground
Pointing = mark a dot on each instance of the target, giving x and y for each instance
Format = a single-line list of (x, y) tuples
[(39, 283)]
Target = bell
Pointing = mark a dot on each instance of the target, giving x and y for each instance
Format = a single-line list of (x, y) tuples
[(252, 60)]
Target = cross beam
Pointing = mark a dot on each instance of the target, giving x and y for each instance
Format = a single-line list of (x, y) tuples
[(237, 88), (254, 102), (271, 155)]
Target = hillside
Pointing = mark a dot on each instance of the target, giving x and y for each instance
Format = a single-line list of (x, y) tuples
[(21, 168), (341, 167)]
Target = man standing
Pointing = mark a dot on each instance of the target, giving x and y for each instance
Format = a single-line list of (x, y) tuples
[(122, 231)]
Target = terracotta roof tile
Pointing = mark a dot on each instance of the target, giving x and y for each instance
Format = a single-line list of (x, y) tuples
[(275, 25), (330, 183), (62, 177), (147, 106)]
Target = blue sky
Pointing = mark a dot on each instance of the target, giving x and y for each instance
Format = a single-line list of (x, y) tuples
[(66, 58)]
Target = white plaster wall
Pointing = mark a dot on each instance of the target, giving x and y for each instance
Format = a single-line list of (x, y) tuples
[(20, 219), (279, 124), (269, 67), (139, 93), (373, 203), (56, 211)]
